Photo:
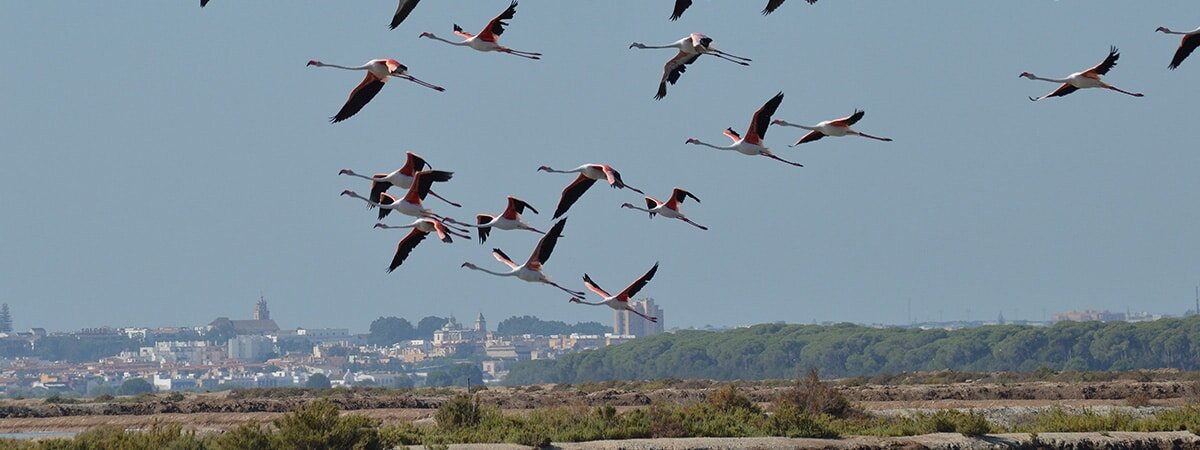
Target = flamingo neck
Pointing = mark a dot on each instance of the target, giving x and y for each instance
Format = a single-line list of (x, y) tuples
[(1035, 77), (463, 43), (590, 303), (499, 274), (353, 174), (575, 170), (363, 67), (714, 146)]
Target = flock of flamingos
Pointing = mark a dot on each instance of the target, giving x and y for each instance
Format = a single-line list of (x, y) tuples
[(416, 177)]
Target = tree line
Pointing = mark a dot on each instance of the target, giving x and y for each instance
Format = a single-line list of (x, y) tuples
[(778, 351)]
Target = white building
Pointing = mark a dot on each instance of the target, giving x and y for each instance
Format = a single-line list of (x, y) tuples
[(250, 347)]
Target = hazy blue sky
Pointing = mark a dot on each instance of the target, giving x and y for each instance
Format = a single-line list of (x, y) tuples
[(163, 164)]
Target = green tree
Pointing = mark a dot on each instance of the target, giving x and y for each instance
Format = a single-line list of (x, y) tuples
[(390, 330), (5, 319), (135, 386), (317, 381), (221, 334), (455, 375), (518, 325), (428, 325)]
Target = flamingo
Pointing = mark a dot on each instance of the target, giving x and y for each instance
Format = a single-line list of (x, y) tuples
[(401, 177), (682, 5), (531, 271), (411, 203), (836, 127), (670, 208), (752, 144), (420, 228), (203, 3), (485, 41), (690, 49), (619, 302), (1187, 44), (1082, 80), (510, 219), (588, 174), (378, 73)]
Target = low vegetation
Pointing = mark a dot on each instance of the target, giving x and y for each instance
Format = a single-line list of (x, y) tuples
[(808, 408)]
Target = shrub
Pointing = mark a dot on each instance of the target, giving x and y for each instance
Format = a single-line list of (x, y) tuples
[(135, 386), (245, 437), (789, 421), (664, 423), (814, 397), (175, 397), (318, 426), (402, 434), (728, 399), (104, 398), (973, 424), (461, 411)]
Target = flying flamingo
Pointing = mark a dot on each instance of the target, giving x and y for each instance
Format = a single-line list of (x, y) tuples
[(411, 203), (420, 228), (682, 5), (510, 219), (752, 144), (619, 302), (401, 177), (531, 271), (1187, 44), (1082, 80), (670, 208), (836, 127), (485, 41), (588, 174), (690, 49), (378, 73)]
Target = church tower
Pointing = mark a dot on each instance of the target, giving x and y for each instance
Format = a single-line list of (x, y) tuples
[(260, 310), (480, 324)]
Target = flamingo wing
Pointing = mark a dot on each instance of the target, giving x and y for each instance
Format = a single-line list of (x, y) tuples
[(851, 119), (1186, 46), (423, 181), (402, 12), (1108, 63), (592, 286), (651, 203), (203, 3), (483, 219), (733, 134), (700, 41), (679, 195), (1062, 90), (405, 247), (359, 97), (772, 5), (638, 284), (500, 256), (762, 120), (496, 26), (440, 228), (519, 206), (811, 136), (545, 246), (413, 163), (379, 186), (572, 193), (680, 7), (385, 199)]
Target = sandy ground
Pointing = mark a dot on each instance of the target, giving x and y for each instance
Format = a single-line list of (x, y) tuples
[(947, 441)]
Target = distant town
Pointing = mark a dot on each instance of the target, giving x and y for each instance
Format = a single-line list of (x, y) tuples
[(256, 353)]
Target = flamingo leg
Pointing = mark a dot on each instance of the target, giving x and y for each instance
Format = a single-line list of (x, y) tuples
[(456, 205), (1135, 94), (575, 293), (729, 59), (529, 55), (731, 56), (782, 160), (702, 227), (873, 137)]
